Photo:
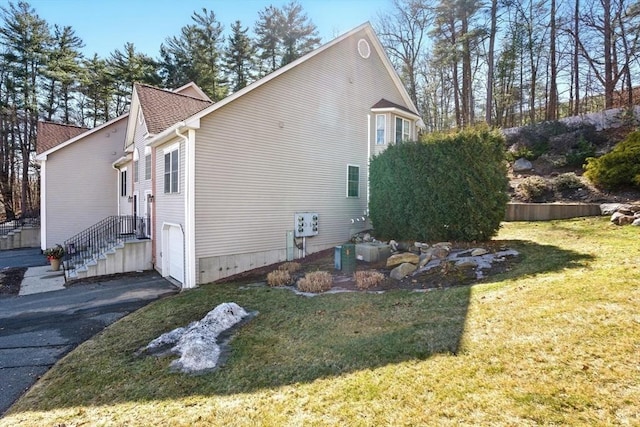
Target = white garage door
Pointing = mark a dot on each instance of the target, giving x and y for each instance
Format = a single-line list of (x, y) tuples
[(176, 254)]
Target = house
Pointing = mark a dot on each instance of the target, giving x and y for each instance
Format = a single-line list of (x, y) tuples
[(273, 172)]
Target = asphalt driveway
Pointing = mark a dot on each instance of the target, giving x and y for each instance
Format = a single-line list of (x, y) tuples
[(37, 330), (27, 257)]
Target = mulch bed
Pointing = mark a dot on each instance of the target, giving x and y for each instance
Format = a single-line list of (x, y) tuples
[(10, 279), (445, 276)]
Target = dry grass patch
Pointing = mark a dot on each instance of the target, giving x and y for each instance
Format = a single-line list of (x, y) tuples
[(291, 267), (279, 278), (316, 282), (367, 279)]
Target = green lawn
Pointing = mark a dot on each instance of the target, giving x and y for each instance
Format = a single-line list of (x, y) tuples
[(556, 340)]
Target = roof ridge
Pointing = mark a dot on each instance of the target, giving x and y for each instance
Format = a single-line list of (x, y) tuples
[(171, 92), (63, 124)]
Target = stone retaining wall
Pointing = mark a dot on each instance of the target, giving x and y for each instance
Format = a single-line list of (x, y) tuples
[(550, 211)]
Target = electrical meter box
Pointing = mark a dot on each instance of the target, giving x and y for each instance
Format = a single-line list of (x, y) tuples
[(305, 224)]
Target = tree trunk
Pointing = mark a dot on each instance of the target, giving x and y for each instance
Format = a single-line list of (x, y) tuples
[(490, 79), (552, 106)]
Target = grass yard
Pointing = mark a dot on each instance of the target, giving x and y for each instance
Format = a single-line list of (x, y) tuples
[(555, 340)]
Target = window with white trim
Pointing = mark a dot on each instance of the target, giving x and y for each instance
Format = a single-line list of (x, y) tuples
[(136, 166), (353, 181), (403, 131), (147, 163), (171, 166), (123, 182), (381, 124)]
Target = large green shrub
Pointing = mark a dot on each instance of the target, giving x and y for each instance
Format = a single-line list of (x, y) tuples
[(447, 187), (618, 168)]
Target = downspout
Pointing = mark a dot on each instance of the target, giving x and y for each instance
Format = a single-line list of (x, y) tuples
[(118, 184), (43, 204), (189, 208)]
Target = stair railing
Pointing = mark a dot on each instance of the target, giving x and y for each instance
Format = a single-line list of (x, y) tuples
[(112, 231)]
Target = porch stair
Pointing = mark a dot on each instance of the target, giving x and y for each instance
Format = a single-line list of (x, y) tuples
[(117, 244)]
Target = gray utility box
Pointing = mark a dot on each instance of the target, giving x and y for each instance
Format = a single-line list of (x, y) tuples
[(373, 252), (305, 224)]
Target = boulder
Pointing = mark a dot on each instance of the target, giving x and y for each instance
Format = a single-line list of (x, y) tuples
[(405, 257), (402, 271), (466, 263), (619, 218), (521, 165), (440, 252), (611, 208), (424, 259), (636, 222), (479, 252)]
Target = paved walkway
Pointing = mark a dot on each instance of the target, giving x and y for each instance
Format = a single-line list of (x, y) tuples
[(41, 279)]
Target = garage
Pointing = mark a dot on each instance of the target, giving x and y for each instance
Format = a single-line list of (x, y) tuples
[(173, 252)]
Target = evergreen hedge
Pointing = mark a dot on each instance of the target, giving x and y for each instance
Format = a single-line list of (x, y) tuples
[(618, 168), (445, 187)]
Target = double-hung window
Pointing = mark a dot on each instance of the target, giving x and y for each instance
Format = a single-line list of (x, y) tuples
[(353, 181), (147, 163), (123, 182), (380, 129), (171, 165), (402, 129)]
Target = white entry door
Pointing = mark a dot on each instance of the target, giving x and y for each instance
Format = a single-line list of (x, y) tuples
[(176, 253)]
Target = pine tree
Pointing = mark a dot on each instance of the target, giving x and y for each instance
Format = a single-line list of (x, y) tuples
[(24, 37), (195, 56), (62, 73), (299, 34), (268, 31), (239, 57)]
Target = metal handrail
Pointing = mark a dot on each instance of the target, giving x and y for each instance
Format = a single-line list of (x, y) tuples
[(17, 223), (101, 237)]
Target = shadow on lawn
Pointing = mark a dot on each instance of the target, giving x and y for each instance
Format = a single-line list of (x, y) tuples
[(296, 339)]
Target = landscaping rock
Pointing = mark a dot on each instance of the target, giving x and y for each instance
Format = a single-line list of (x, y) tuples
[(521, 165), (619, 218), (479, 252), (636, 222), (424, 259), (440, 252), (402, 271), (406, 257)]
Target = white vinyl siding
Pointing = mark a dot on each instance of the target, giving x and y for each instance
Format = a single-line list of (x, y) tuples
[(381, 127), (281, 149), (73, 205)]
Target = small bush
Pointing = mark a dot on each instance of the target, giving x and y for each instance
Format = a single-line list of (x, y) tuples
[(367, 279), (318, 281), (579, 154), (279, 278), (291, 267), (567, 181), (533, 188), (618, 168)]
